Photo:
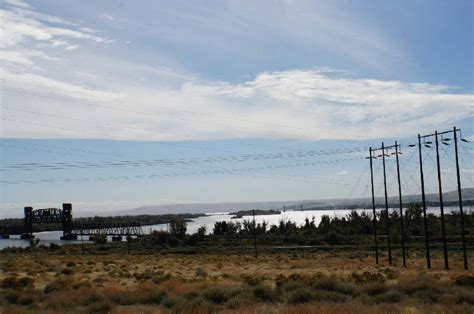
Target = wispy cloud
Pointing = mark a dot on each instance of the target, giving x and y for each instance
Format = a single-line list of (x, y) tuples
[(305, 104), (26, 31), (153, 102)]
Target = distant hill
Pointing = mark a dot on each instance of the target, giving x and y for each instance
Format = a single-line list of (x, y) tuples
[(468, 194)]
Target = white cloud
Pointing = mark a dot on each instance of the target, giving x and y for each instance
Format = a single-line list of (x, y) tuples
[(341, 173), (20, 26), (106, 16), (72, 47), (101, 96), (305, 104), (18, 3)]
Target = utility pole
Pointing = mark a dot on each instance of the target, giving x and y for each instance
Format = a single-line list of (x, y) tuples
[(423, 200), (402, 229), (383, 148), (445, 141), (374, 219), (441, 205), (254, 233), (387, 222), (463, 236)]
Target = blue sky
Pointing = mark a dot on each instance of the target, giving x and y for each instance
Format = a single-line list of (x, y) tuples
[(182, 81)]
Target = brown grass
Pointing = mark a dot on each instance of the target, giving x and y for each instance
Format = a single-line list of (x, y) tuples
[(275, 283)]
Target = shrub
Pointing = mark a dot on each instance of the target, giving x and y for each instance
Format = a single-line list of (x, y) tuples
[(17, 284), (217, 295), (94, 297), (265, 294), (102, 306), (251, 280), (426, 296), (12, 296), (55, 286), (27, 299), (329, 296), (81, 284), (154, 297), (292, 286), (465, 297), (464, 280), (9, 283), (391, 296), (25, 282), (300, 295), (192, 240), (333, 238), (331, 284), (169, 302), (200, 272), (375, 289), (367, 277), (158, 278), (67, 271), (143, 294), (100, 238)]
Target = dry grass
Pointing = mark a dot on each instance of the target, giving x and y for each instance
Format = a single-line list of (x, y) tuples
[(276, 283)]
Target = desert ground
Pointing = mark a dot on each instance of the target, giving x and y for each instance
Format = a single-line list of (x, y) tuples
[(338, 281)]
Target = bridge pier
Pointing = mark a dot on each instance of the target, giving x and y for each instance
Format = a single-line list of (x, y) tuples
[(27, 224), (66, 219)]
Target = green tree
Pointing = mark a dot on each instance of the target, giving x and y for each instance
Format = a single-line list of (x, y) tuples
[(178, 228)]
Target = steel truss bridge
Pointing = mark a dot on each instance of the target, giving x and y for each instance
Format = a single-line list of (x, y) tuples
[(112, 229), (70, 230)]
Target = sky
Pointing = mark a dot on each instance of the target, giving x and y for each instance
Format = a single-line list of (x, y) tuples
[(119, 104)]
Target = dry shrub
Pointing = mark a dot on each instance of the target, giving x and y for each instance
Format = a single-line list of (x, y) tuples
[(464, 280), (102, 306), (251, 280), (423, 288), (300, 295), (196, 305), (391, 296), (180, 286), (333, 285), (200, 272), (265, 294), (58, 284), (290, 286), (142, 294), (219, 294), (81, 284), (61, 301), (17, 283), (374, 289), (367, 277), (67, 271), (329, 296), (464, 297), (92, 296), (11, 296)]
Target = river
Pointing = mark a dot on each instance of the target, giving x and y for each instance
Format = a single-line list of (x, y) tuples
[(48, 237)]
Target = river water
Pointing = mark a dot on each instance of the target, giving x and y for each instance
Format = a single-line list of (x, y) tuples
[(208, 221)]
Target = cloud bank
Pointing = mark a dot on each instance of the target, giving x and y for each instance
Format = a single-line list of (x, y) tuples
[(58, 81)]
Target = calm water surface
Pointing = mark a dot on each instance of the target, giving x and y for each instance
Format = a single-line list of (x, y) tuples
[(299, 217)]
